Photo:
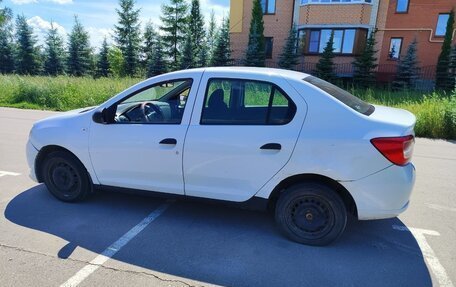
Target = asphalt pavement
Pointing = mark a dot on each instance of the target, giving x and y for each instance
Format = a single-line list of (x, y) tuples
[(116, 239)]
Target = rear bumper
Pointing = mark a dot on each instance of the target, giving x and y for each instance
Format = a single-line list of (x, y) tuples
[(31, 153), (384, 194)]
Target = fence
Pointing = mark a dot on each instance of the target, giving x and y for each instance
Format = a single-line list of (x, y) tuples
[(385, 74)]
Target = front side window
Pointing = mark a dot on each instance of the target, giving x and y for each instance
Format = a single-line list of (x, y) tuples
[(162, 103), (395, 48), (442, 23), (244, 102), (268, 6), (402, 6)]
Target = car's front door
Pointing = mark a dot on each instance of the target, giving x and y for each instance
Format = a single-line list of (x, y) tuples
[(141, 148), (243, 131)]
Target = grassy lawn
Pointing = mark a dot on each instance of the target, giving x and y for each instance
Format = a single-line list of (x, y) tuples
[(436, 113)]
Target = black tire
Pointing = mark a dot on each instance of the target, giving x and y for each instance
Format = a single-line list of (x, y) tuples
[(66, 177), (311, 214)]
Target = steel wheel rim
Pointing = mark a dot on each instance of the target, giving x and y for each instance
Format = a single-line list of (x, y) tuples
[(310, 217), (64, 178)]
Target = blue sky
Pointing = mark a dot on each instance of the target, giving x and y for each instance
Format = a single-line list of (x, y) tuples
[(98, 17)]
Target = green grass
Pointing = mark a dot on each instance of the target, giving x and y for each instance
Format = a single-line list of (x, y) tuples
[(59, 93), (436, 113)]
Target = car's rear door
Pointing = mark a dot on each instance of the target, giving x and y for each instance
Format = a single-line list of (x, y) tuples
[(145, 154), (243, 131)]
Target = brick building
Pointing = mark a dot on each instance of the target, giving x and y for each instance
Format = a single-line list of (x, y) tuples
[(398, 22)]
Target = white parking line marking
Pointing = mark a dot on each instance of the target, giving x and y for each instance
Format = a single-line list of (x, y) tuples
[(441, 207), (114, 248), (429, 254), (3, 173)]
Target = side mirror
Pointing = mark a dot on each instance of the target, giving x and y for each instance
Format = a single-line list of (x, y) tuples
[(99, 117)]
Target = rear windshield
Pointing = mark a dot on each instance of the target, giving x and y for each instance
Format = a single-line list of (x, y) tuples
[(342, 95)]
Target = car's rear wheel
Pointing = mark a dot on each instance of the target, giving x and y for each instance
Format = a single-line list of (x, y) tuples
[(311, 213), (65, 176)]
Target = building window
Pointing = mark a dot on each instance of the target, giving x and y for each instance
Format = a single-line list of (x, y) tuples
[(268, 47), (442, 22), (268, 6), (344, 40), (314, 41), (402, 6), (395, 48), (305, 2)]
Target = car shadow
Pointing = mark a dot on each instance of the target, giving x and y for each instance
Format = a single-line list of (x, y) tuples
[(222, 245)]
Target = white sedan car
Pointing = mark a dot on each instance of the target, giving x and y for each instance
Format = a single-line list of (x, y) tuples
[(304, 148)]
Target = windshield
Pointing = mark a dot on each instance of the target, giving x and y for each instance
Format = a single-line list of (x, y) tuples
[(342, 95)]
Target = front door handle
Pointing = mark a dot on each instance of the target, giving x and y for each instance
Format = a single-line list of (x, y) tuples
[(273, 146), (168, 141)]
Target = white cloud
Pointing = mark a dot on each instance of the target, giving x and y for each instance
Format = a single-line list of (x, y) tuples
[(20, 2), (41, 28), (97, 36), (61, 1)]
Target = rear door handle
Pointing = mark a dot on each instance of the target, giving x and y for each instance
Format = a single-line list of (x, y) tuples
[(169, 141), (273, 146)]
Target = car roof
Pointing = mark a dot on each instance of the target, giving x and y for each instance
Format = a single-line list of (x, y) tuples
[(252, 70)]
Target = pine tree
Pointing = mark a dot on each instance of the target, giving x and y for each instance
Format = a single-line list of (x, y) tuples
[(255, 55), (211, 34), (79, 58), (289, 57), (453, 67), (187, 60), (127, 35), (174, 21), (4, 15), (325, 66), (6, 43), (54, 53), (103, 60), (157, 65), (407, 70), (443, 79), (197, 33), (27, 53), (222, 51), (150, 38), (365, 64)]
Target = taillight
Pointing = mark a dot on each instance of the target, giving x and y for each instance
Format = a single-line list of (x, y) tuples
[(397, 150)]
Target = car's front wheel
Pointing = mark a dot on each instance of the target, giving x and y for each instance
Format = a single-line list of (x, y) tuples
[(65, 176), (311, 213)]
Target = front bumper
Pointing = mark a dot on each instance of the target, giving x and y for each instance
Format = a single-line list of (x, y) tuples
[(31, 153), (384, 194)]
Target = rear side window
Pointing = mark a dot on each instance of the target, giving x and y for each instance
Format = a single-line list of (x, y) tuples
[(244, 102), (342, 95)]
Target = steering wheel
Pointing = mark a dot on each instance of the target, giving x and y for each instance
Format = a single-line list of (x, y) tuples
[(145, 106)]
